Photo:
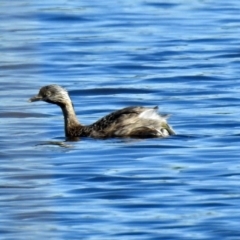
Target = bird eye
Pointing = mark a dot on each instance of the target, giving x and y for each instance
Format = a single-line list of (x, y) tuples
[(45, 94)]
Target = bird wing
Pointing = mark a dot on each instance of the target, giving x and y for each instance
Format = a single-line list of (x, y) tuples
[(117, 116)]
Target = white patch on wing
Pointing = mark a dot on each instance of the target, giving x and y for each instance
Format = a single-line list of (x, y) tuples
[(151, 113)]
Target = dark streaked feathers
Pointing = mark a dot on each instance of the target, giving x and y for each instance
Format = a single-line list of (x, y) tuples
[(140, 122)]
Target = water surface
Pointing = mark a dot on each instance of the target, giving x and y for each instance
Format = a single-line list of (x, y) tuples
[(182, 56)]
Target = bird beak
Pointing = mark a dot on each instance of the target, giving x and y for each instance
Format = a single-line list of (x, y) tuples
[(35, 98)]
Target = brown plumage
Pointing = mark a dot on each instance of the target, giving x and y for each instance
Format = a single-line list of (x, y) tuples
[(140, 122)]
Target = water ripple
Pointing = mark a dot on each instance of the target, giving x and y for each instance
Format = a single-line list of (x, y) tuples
[(181, 56)]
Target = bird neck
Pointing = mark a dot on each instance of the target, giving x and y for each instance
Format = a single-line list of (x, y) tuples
[(70, 118)]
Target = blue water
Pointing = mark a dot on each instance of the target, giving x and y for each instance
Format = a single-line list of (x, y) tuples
[(181, 55)]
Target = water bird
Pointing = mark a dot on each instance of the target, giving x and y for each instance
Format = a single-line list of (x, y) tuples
[(136, 122)]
